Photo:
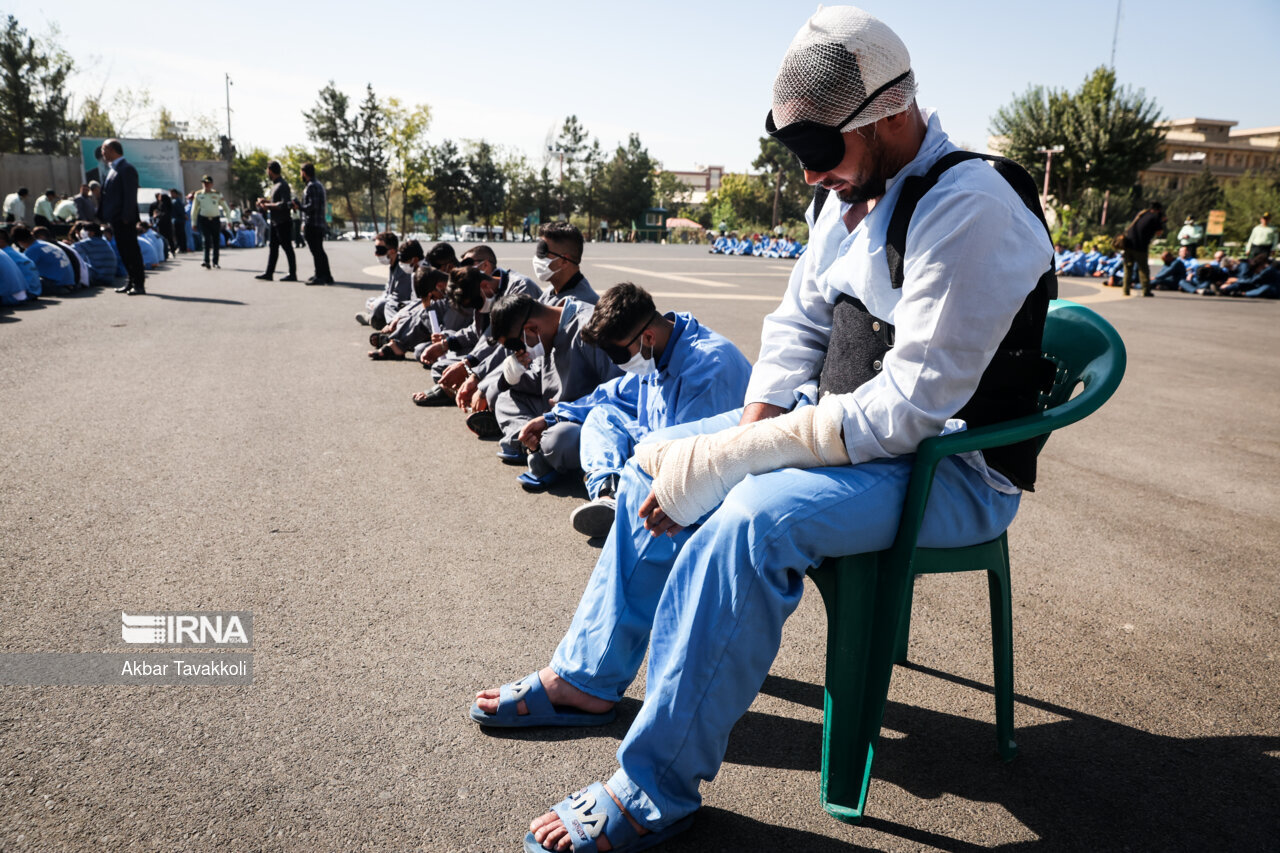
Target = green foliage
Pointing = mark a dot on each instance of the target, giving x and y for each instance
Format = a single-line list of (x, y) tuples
[(1108, 133), (488, 190), (249, 176), (449, 183), (369, 150), (409, 156), (1247, 199), (1197, 197), (331, 128), (790, 194), (628, 182), (199, 145), (33, 98), (94, 120)]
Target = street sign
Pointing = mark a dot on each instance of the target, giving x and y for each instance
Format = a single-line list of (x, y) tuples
[(1216, 223)]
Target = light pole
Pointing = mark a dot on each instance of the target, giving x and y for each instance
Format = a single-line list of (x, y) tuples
[(1048, 165), (228, 76), (551, 149)]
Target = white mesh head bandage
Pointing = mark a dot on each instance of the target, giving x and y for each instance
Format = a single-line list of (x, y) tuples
[(843, 69)]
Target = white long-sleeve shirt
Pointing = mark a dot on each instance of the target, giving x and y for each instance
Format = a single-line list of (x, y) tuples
[(973, 253)]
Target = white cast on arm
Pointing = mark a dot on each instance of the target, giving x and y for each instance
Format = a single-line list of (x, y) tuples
[(691, 476), (512, 369)]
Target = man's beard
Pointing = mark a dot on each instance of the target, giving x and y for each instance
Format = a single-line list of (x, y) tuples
[(859, 193), (874, 186)]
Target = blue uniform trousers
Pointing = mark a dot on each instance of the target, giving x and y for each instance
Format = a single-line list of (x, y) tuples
[(709, 604)]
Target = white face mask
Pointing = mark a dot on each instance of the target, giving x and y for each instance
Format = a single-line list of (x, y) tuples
[(640, 364), (542, 269), (407, 268), (487, 306), (535, 350), (385, 260)]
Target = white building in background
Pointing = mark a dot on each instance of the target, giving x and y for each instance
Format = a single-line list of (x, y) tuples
[(700, 183), (1190, 144)]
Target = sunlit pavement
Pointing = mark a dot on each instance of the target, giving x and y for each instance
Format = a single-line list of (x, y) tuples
[(224, 444)]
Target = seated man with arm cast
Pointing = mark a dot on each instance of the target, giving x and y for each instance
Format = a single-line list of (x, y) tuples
[(861, 362)]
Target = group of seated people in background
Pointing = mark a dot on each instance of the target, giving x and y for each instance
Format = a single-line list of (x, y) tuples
[(761, 246), (566, 380), (35, 263), (1256, 276)]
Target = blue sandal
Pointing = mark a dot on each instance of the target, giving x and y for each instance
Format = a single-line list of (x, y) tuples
[(541, 711), (591, 812)]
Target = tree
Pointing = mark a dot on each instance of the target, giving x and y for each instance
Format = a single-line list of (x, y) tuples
[(572, 147), (330, 127), (1108, 134), (488, 189), (248, 178), (743, 200), (94, 121), (449, 184), (522, 188), (369, 150), (197, 145), (409, 155), (1197, 197), (33, 98), (786, 179), (593, 164), (1246, 199), (628, 183)]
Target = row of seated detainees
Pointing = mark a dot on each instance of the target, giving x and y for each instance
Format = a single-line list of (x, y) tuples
[(1255, 276), (761, 247), (1078, 262), (33, 263)]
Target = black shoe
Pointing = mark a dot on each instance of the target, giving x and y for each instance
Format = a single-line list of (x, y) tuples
[(216, 267), (328, 280), (311, 280), (137, 291), (124, 289), (264, 277), (484, 424), (437, 396), (205, 265), (290, 278), (362, 318)]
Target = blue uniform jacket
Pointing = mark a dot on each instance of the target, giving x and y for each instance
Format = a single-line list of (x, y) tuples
[(701, 373)]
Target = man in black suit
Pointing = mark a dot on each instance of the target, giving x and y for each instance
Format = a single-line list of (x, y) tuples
[(120, 209), (279, 206)]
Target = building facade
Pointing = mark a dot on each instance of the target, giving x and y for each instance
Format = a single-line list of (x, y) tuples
[(1190, 144), (700, 183)]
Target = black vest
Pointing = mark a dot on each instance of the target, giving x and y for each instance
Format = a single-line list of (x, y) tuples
[(1011, 385)]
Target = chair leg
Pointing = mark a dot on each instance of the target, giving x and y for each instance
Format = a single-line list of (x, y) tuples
[(848, 591), (904, 626), (1002, 652)]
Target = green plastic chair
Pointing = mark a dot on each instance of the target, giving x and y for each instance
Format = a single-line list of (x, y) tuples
[(868, 596)]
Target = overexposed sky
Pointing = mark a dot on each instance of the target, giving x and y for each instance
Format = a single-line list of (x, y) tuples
[(693, 79)]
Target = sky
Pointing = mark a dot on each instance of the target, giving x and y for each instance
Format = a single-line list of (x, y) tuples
[(692, 79)]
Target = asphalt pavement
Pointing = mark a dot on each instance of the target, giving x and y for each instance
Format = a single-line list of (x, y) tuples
[(224, 444)]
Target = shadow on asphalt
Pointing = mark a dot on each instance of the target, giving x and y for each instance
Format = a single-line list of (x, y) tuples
[(1082, 782), (174, 298), (352, 285)]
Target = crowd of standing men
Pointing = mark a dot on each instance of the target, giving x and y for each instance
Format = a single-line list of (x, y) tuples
[(100, 234)]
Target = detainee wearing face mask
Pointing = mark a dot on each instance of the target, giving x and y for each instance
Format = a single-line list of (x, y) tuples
[(556, 259), (399, 290), (676, 370), (460, 360), (545, 341)]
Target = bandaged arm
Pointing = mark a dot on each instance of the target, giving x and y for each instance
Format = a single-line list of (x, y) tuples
[(691, 476)]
